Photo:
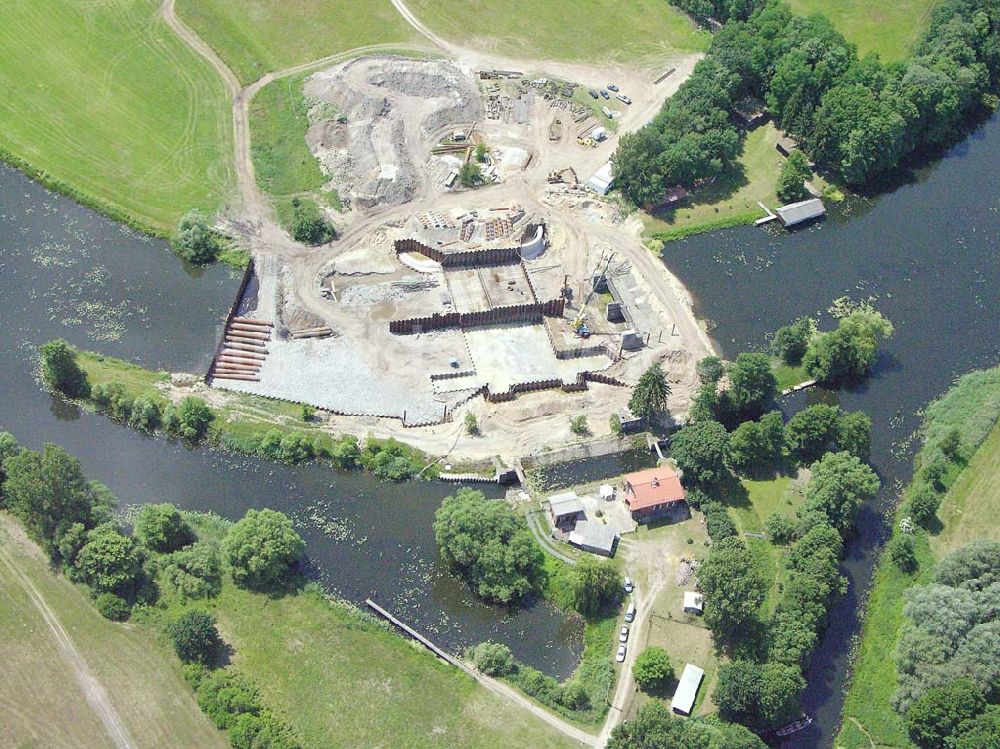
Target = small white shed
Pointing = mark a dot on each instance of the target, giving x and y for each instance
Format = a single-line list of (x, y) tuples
[(607, 492), (694, 603)]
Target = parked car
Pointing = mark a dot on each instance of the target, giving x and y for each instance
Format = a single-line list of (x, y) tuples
[(629, 587), (612, 87), (605, 94), (593, 94), (622, 97), (630, 613), (620, 655), (623, 634)]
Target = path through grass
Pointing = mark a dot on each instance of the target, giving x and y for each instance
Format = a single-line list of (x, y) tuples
[(42, 704), (114, 109)]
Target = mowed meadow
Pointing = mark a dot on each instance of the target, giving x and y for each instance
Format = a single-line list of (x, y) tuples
[(43, 702), (891, 30), (107, 104), (254, 37), (593, 31)]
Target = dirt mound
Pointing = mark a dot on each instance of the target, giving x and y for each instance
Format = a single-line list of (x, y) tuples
[(386, 108)]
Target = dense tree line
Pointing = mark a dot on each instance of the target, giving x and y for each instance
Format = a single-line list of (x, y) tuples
[(656, 728), (860, 118)]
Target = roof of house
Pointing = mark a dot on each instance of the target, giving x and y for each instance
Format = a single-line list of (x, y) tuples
[(652, 487), (795, 213), (687, 689), (565, 504), (693, 600), (593, 536)]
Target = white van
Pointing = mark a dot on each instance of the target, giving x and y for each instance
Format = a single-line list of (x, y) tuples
[(630, 613)]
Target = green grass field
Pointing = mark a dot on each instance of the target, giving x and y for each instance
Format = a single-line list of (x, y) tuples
[(595, 31), (889, 29), (43, 704), (255, 37), (732, 200), (110, 107)]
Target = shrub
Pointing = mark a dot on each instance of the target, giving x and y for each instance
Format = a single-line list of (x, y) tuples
[(652, 670), (195, 638), (717, 521), (61, 371), (262, 550), (190, 419), (791, 341), (710, 370), (112, 607), (924, 503), (308, 223), (145, 415), (594, 584), (615, 424), (791, 181), (470, 174), (225, 694), (471, 423), (781, 529), (195, 240), (111, 562), (951, 444), (194, 572), (492, 658), (261, 731), (903, 553), (161, 528), (578, 425)]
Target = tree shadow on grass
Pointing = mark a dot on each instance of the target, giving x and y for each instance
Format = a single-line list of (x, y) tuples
[(731, 181)]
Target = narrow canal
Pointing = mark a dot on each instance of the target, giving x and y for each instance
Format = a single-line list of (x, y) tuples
[(929, 254), (66, 272)]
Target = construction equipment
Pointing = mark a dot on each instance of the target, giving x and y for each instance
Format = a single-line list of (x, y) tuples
[(566, 176)]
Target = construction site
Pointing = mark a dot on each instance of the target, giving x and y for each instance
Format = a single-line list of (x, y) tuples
[(473, 271)]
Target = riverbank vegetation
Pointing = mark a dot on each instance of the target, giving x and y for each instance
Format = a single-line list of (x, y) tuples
[(958, 464), (247, 424), (857, 118), (144, 150), (294, 669), (766, 598)]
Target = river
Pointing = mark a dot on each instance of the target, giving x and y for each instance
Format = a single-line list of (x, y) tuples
[(928, 251), (67, 272)]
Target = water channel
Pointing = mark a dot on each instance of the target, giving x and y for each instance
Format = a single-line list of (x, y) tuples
[(66, 272), (929, 252)]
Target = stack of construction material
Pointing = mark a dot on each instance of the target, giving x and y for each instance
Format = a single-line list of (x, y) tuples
[(244, 350)]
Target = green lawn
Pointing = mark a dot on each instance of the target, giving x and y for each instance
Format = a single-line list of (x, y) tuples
[(255, 37), (973, 504), (788, 376), (43, 704), (889, 29), (112, 108), (138, 382), (732, 200), (343, 681), (594, 31)]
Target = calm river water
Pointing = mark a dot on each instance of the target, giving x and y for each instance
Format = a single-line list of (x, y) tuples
[(67, 272), (929, 253)]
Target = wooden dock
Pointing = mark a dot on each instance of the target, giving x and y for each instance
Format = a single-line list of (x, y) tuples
[(443, 655), (801, 386)]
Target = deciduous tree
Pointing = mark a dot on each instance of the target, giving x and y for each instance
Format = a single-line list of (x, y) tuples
[(262, 550)]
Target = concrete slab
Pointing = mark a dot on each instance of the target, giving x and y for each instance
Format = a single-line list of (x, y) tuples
[(505, 355), (481, 289)]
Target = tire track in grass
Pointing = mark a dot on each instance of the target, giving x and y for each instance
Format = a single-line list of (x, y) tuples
[(91, 687)]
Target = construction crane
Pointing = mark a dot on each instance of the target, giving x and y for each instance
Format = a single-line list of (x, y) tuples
[(580, 323)]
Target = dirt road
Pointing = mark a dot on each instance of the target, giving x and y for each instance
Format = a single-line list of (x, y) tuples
[(91, 687)]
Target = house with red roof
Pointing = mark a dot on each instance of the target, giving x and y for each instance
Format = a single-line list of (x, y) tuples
[(654, 493)]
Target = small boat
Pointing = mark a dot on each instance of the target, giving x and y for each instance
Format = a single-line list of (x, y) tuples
[(788, 729)]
